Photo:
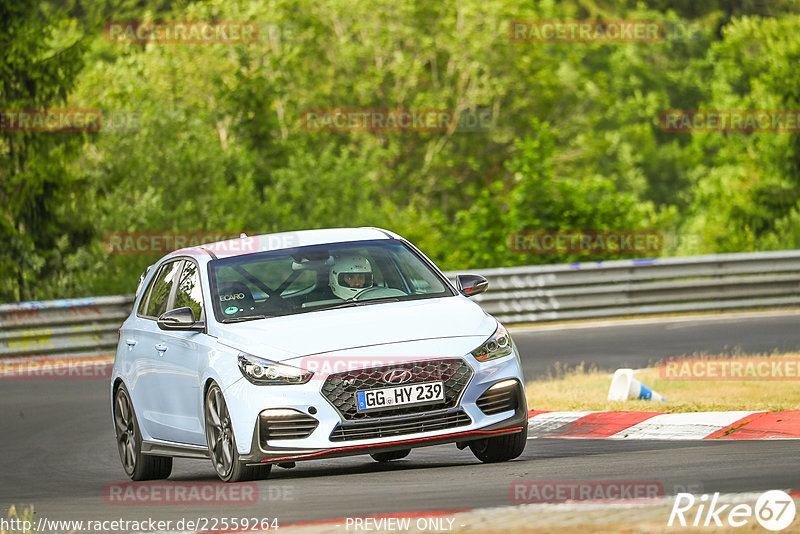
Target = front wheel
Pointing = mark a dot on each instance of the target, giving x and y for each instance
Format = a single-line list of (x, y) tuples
[(222, 444), (501, 448), (138, 466)]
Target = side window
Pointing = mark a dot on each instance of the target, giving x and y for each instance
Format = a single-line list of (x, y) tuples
[(139, 288), (189, 291), (140, 310), (422, 280), (159, 294), (141, 279), (305, 280)]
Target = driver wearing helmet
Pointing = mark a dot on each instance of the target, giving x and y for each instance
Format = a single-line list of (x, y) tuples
[(350, 275)]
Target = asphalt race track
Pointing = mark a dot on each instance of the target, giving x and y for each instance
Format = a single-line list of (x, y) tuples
[(639, 343), (58, 450)]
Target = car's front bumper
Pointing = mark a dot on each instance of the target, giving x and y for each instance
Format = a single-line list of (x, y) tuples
[(248, 401), (261, 454)]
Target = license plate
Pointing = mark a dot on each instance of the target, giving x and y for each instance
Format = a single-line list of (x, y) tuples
[(376, 399)]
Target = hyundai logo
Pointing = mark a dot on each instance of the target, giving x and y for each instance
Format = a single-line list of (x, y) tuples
[(397, 376)]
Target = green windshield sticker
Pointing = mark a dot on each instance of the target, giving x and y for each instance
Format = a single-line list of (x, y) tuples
[(231, 310)]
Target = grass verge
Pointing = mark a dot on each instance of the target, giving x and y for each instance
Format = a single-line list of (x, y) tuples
[(586, 388), (22, 522)]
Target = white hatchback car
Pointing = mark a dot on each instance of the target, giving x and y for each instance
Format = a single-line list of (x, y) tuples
[(315, 344)]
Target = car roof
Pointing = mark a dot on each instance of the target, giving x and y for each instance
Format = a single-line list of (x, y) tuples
[(277, 241)]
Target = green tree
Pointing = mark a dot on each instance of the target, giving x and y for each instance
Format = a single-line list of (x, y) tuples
[(747, 193), (543, 198), (43, 54)]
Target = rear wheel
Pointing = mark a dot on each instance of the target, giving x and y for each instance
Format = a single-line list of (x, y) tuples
[(138, 466), (222, 444), (384, 457), (501, 448)]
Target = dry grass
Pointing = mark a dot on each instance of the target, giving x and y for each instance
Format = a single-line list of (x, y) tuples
[(585, 388), (25, 515)]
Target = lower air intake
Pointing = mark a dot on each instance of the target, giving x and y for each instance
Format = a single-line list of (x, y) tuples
[(400, 426), (500, 398), (285, 424)]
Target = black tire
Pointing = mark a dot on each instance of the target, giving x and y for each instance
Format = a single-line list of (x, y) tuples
[(222, 443), (384, 457), (501, 448), (138, 466)]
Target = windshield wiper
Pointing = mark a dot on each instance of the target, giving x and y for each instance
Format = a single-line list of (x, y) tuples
[(351, 303), (245, 318)]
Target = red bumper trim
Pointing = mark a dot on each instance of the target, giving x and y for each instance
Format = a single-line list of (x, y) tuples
[(340, 449)]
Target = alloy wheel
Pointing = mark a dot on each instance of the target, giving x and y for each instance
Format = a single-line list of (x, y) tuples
[(219, 432), (126, 431)]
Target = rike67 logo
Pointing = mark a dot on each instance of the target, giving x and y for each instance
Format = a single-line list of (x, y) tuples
[(774, 510)]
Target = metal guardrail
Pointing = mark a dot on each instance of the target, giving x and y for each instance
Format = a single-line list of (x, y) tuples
[(57, 328), (642, 286), (88, 327)]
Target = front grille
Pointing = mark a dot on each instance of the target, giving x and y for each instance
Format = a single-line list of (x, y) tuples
[(499, 400), (294, 426), (340, 388), (399, 426)]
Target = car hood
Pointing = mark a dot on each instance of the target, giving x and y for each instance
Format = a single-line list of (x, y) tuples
[(384, 324)]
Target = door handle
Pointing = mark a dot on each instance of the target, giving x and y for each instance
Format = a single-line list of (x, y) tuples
[(161, 348), (130, 342)]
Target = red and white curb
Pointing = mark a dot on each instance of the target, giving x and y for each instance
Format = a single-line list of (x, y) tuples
[(667, 426)]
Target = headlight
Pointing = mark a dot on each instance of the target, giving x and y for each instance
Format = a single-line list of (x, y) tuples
[(266, 373), (497, 346)]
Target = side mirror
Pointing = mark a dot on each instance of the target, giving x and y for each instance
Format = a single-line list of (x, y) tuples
[(471, 284), (180, 319)]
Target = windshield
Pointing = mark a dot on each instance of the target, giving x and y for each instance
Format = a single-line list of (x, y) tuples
[(305, 279)]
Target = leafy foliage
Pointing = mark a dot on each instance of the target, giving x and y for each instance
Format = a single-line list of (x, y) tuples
[(210, 137), (43, 54)]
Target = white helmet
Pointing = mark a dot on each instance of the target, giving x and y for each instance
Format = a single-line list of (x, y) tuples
[(350, 275)]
